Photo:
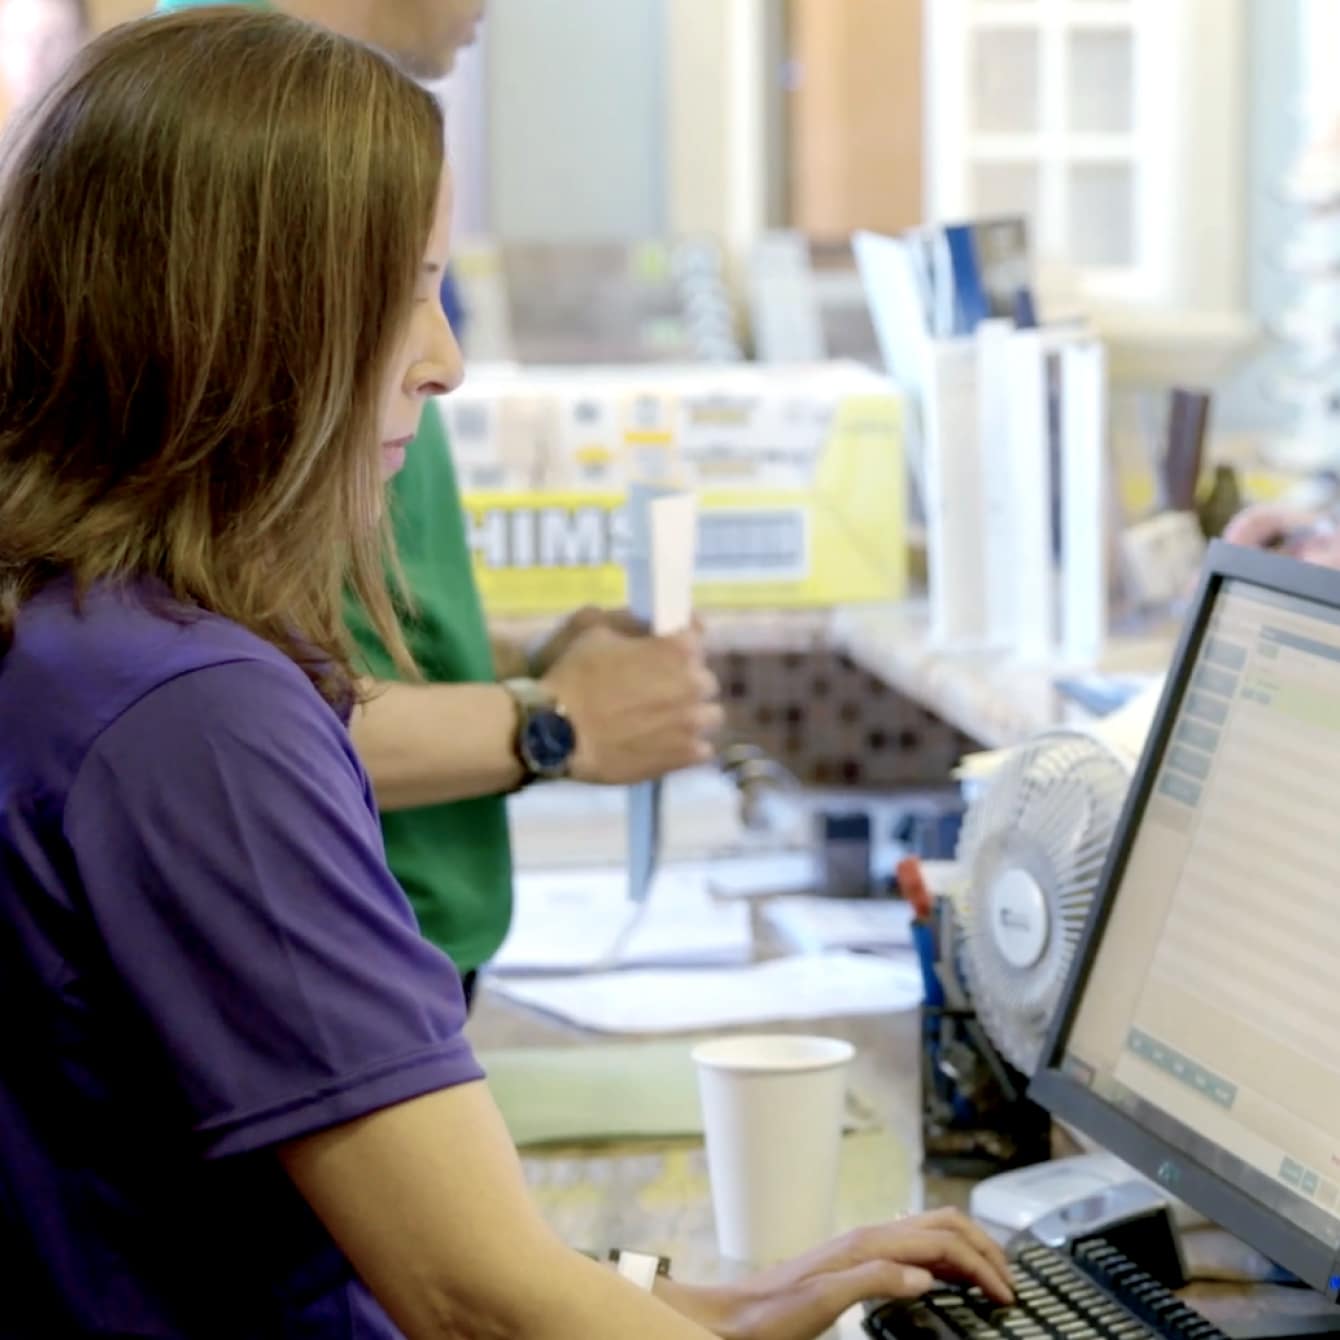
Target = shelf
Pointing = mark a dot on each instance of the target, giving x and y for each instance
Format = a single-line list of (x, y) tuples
[(1170, 348), (725, 632)]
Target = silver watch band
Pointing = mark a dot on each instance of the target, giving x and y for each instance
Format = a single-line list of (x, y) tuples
[(530, 694)]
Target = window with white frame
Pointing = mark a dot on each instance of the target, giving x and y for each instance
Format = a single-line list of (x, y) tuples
[(1116, 127)]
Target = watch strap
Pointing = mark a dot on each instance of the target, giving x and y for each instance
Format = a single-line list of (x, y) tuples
[(639, 1268), (529, 696)]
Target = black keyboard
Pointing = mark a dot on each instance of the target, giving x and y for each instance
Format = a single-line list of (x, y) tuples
[(1097, 1294)]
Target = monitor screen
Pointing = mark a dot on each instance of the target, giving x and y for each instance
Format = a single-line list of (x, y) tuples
[(1206, 1003)]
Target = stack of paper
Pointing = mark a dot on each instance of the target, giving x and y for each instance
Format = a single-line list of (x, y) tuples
[(763, 875), (1013, 456), (814, 924), (812, 986), (570, 824), (570, 921)]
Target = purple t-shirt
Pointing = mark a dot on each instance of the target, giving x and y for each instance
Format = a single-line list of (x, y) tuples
[(202, 954)]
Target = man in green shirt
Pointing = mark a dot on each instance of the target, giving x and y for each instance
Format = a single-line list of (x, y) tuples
[(595, 702)]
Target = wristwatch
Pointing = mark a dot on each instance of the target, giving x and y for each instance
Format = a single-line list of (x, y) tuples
[(545, 739), (640, 1268)]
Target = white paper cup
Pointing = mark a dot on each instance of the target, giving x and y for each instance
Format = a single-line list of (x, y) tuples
[(772, 1112)]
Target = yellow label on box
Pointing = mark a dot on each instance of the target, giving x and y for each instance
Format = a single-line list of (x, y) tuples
[(842, 540), (539, 553)]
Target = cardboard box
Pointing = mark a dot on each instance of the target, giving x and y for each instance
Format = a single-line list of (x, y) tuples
[(799, 472)]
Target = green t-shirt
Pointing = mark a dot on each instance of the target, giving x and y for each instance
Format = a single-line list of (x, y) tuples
[(453, 861)]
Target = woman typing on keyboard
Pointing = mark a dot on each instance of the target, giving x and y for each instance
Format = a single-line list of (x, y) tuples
[(235, 1096)]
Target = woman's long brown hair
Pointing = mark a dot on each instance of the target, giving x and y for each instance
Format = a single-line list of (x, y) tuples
[(210, 234)]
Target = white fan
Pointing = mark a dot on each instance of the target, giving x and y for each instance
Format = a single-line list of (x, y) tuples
[(1031, 852)]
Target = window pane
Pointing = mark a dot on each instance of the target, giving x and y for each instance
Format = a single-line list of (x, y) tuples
[(1102, 214), (1102, 82), (1004, 81), (1005, 189)]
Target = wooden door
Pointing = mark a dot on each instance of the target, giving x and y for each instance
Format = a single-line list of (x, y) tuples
[(855, 115)]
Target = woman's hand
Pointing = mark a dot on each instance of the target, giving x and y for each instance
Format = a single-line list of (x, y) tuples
[(801, 1299), (1268, 525), (1304, 533)]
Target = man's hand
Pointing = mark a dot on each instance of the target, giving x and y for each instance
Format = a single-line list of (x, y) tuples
[(641, 706), (559, 642), (801, 1299)]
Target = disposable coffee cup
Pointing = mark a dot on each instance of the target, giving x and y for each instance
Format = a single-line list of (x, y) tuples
[(773, 1111)]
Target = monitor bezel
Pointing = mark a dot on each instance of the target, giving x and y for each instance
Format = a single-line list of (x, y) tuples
[(1222, 1202)]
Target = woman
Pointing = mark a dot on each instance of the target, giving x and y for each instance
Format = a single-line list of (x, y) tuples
[(235, 1099)]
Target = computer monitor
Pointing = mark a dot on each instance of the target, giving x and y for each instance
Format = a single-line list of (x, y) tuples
[(1198, 1037)]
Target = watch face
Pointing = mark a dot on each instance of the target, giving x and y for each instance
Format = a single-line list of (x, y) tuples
[(548, 740)]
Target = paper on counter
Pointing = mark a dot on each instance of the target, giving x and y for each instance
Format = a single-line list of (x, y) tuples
[(766, 875), (763, 874), (571, 824), (662, 547), (810, 986), (566, 921), (812, 924)]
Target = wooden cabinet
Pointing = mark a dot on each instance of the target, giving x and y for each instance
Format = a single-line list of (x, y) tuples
[(854, 114), (1116, 126)]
